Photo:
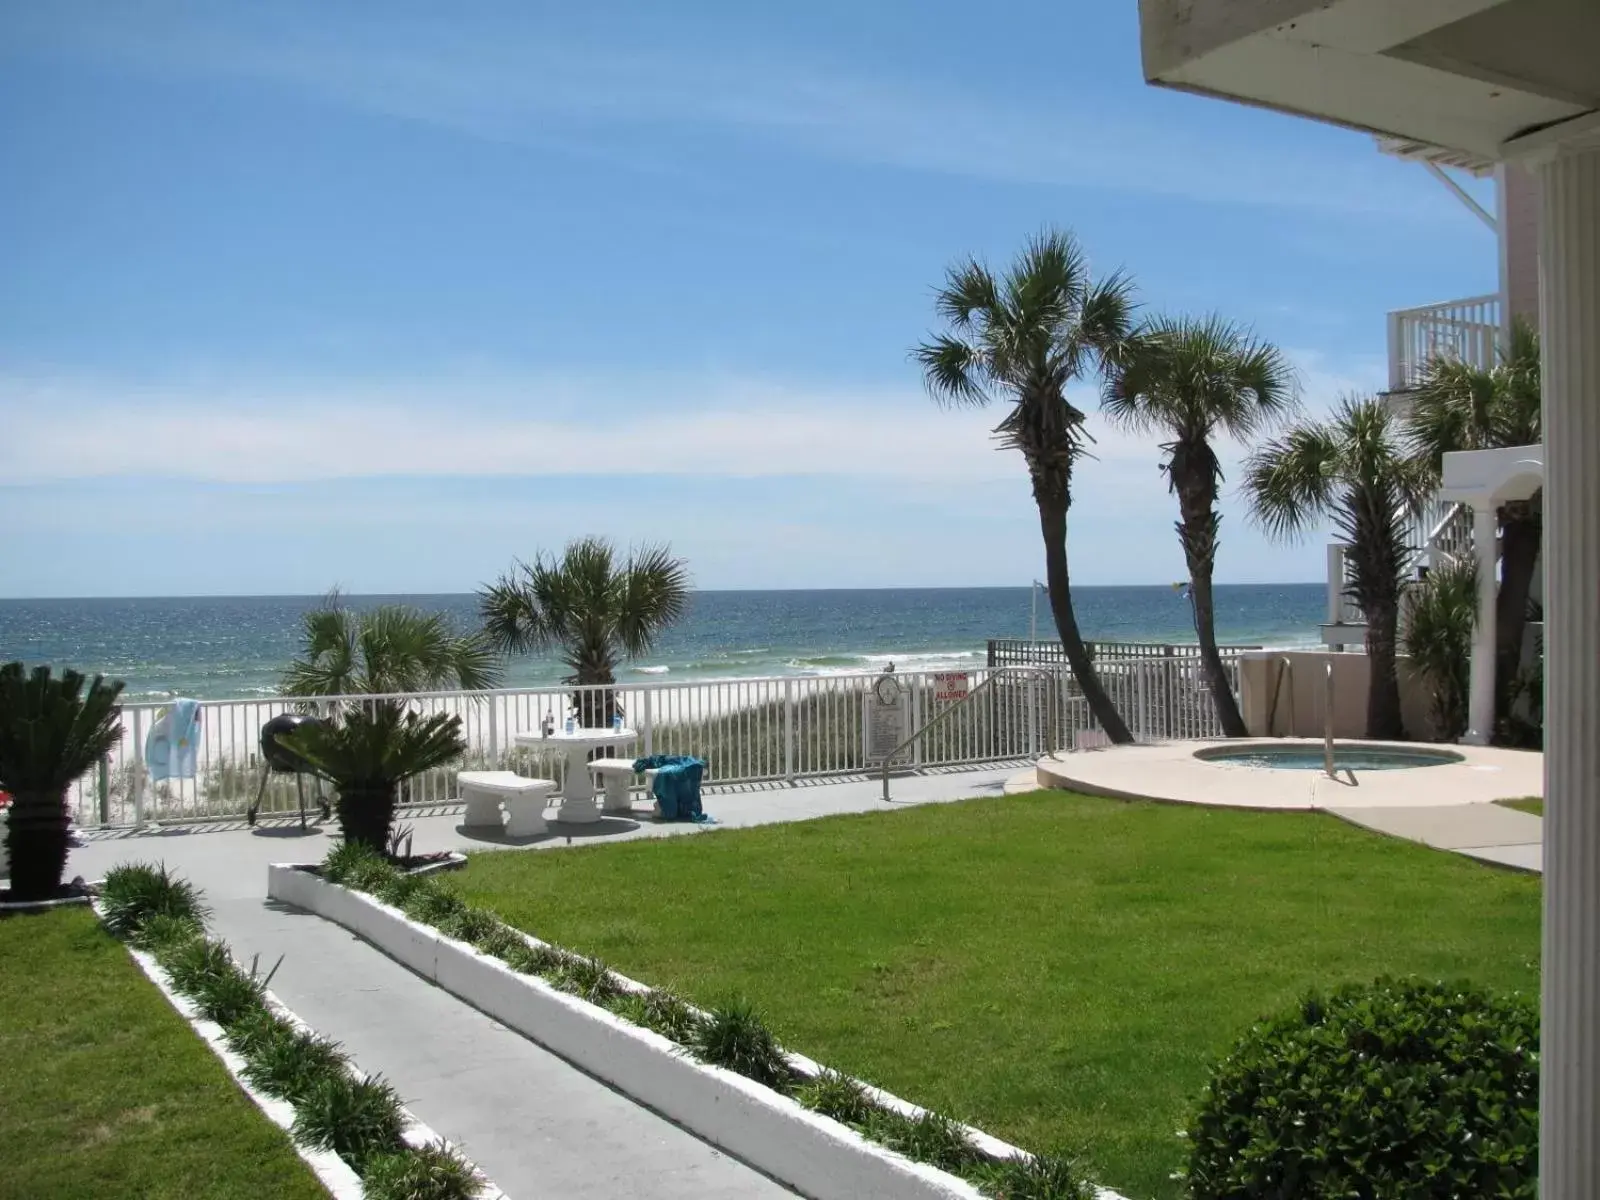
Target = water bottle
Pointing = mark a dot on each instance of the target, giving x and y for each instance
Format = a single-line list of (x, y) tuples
[(572, 723), (616, 722)]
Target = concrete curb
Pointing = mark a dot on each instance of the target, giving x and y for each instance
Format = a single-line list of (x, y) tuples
[(815, 1155), (332, 1171)]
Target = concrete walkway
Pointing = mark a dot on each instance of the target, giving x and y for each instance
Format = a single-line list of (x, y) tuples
[(539, 1127)]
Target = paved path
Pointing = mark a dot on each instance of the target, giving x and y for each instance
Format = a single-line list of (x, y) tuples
[(539, 1127)]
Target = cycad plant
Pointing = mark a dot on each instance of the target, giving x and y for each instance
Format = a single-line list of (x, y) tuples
[(367, 752), (1441, 611), (52, 731), (1351, 469), (1457, 406), (384, 650), (1022, 338), (1193, 381), (596, 608)]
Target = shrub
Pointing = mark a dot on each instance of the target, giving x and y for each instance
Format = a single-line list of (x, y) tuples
[(251, 1032), (190, 963), (1402, 1089), (471, 925), (355, 1119), (529, 959), (229, 995), (733, 1036), (134, 893), (346, 857), (398, 888), (432, 905), (424, 1173), (837, 1096)]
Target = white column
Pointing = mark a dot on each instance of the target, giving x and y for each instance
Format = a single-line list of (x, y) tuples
[(1480, 709), (1569, 296)]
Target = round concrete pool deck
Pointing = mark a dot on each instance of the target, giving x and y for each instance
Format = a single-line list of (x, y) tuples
[(1172, 773)]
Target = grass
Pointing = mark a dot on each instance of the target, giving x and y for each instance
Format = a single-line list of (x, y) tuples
[(1527, 804), (106, 1091), (1058, 970)]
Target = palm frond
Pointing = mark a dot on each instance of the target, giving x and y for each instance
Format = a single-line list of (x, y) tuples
[(950, 371), (1289, 481), (378, 744), (389, 649), (53, 730), (969, 289), (654, 595)]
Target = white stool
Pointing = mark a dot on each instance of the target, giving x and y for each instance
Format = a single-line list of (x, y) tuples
[(616, 777), (483, 793)]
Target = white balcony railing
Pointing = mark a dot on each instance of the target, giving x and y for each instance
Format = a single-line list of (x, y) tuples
[(1465, 329)]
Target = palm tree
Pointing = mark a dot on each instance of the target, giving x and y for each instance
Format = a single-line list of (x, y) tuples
[(1457, 406), (51, 733), (393, 648), (597, 610), (1441, 610), (1193, 379), (1024, 338), (367, 752), (1350, 468)]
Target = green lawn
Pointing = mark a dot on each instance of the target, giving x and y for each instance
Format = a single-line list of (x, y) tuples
[(106, 1091), (1058, 970), (1527, 804)]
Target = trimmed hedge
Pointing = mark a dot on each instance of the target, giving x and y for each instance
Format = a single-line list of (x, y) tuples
[(731, 1035), (362, 1120), (1402, 1089)]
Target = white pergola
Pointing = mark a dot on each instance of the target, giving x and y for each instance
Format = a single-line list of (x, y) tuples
[(1486, 81)]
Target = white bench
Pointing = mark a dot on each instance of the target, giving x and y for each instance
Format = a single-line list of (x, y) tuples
[(524, 799), (615, 776)]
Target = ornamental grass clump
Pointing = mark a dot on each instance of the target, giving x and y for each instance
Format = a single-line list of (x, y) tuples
[(930, 1138), (733, 1036), (1397, 1088), (838, 1096), (289, 1063), (589, 979), (433, 1172), (135, 893), (355, 1118)]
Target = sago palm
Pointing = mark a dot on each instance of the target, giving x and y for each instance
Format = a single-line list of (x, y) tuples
[(52, 731), (1441, 611), (1457, 406), (367, 752), (1194, 380), (1350, 468), (596, 609), (1021, 339), (393, 648)]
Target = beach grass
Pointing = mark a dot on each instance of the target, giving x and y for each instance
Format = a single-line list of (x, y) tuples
[(106, 1091), (1527, 804), (1057, 969)]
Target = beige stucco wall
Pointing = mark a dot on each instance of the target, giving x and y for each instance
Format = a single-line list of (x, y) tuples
[(1301, 696)]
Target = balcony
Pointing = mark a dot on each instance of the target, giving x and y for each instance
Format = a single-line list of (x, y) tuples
[(1465, 329)]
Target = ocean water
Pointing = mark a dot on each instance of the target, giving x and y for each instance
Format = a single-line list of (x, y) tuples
[(237, 646)]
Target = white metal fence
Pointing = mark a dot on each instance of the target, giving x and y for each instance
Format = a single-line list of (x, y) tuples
[(748, 731), (1465, 329)]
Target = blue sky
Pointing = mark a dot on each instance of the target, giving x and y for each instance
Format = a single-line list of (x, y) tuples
[(388, 295)]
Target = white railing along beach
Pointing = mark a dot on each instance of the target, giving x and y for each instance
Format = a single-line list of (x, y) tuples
[(760, 731)]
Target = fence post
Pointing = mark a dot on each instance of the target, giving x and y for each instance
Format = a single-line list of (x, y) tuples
[(647, 725), (103, 781), (788, 730), (138, 768), (494, 731)]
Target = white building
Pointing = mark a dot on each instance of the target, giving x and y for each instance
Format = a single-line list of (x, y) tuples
[(1490, 81)]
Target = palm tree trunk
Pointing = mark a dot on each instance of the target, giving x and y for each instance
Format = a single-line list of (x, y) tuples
[(366, 812), (1197, 530), (1053, 524), (1384, 719), (36, 843), (1522, 530)]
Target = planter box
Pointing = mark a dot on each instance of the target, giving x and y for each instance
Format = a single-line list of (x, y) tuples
[(815, 1155)]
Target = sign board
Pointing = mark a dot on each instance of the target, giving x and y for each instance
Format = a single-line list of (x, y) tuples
[(885, 719), (949, 686)]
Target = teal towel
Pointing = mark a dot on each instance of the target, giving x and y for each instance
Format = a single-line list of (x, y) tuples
[(172, 745)]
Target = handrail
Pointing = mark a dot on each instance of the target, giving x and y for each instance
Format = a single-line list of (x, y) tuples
[(1327, 724), (995, 677), (1285, 667)]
